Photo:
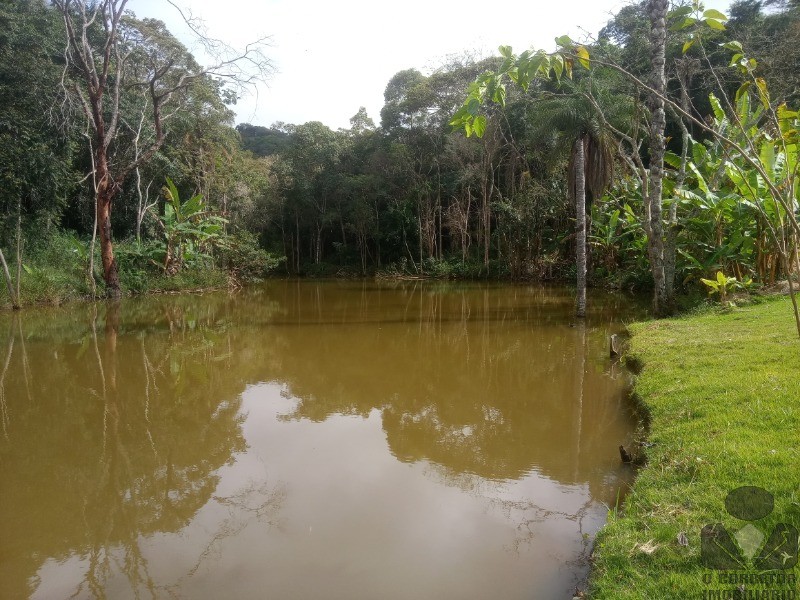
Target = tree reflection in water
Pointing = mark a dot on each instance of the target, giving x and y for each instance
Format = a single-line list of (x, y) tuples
[(123, 438), (477, 380), (120, 422)]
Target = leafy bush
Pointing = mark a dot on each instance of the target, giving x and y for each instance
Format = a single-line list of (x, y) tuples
[(53, 268), (245, 260)]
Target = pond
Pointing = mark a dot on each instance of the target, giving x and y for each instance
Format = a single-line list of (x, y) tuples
[(304, 439)]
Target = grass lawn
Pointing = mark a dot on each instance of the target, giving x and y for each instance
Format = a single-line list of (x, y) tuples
[(722, 392)]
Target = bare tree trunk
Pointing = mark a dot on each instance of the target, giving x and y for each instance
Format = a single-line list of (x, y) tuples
[(144, 204), (671, 241), (9, 283), (419, 227), (580, 226), (97, 56), (318, 251), (297, 235), (796, 269), (377, 235), (13, 294), (485, 217), (657, 11), (144, 199), (19, 248), (104, 197)]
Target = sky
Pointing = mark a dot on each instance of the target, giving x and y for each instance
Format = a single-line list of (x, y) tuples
[(332, 57)]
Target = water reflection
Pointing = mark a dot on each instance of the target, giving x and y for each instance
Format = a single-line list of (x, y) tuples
[(491, 381), (116, 436), (156, 447)]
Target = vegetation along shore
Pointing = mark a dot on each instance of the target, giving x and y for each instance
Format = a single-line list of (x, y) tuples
[(660, 157), (720, 391)]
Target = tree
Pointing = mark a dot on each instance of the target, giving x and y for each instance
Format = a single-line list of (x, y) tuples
[(591, 162), (263, 141), (117, 60), (522, 70), (361, 122), (313, 154), (35, 149), (657, 11), (591, 156), (36, 173)]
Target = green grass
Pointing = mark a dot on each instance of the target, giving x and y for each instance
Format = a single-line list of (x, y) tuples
[(55, 272), (722, 395)]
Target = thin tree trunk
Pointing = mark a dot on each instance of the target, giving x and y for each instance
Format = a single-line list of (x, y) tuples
[(671, 241), (796, 269), (671, 238), (485, 216), (419, 227), (318, 251), (657, 11), (297, 236), (110, 270), (580, 226), (19, 249), (377, 235), (9, 283)]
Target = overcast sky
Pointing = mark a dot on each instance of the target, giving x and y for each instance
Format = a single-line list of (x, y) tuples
[(330, 58)]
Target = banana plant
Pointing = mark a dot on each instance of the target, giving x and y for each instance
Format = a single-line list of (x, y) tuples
[(719, 224), (722, 285), (612, 233), (190, 231)]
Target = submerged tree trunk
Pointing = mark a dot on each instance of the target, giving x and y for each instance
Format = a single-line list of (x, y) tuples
[(580, 226), (657, 12)]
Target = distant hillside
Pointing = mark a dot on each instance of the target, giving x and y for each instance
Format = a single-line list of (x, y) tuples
[(262, 141)]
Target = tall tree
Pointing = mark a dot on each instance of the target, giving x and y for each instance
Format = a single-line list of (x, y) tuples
[(657, 12), (591, 157), (578, 187), (35, 149), (575, 118), (313, 155), (116, 60)]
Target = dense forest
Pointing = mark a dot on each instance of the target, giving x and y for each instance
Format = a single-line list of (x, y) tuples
[(110, 129)]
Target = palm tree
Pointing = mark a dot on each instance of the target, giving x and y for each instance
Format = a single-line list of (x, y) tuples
[(575, 125)]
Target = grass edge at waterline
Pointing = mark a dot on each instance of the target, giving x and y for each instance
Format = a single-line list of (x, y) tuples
[(722, 395)]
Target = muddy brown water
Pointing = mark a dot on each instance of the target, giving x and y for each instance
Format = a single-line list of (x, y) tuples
[(310, 440)]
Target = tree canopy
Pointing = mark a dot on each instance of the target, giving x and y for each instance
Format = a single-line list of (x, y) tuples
[(111, 119)]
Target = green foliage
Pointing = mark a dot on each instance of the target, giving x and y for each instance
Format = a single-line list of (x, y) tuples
[(53, 268), (522, 70), (414, 189), (36, 147), (722, 285), (732, 218), (190, 231), (616, 238), (245, 260), (262, 141)]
